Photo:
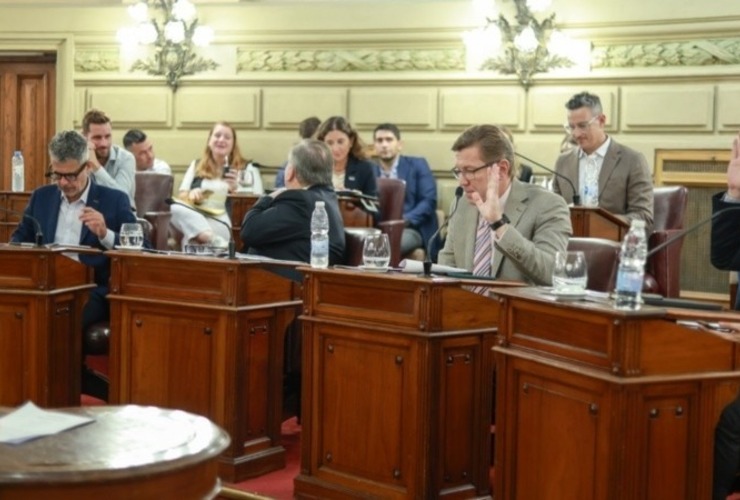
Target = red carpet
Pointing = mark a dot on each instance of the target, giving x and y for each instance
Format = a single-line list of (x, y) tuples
[(278, 484)]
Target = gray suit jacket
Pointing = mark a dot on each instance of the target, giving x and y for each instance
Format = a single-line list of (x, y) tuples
[(625, 182), (540, 227)]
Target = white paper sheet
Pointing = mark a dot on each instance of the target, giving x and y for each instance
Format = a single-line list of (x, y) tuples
[(31, 422)]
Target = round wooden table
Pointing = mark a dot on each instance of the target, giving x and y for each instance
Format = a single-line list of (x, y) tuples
[(129, 452)]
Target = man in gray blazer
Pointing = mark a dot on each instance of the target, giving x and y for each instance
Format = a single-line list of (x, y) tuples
[(625, 186), (527, 225)]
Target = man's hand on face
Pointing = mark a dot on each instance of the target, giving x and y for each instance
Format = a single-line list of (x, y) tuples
[(93, 162), (94, 221)]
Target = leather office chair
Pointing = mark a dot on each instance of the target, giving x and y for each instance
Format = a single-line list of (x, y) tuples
[(152, 189), (391, 194), (663, 270), (602, 261)]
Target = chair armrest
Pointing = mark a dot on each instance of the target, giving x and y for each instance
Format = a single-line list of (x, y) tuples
[(665, 266), (394, 230), (160, 222)]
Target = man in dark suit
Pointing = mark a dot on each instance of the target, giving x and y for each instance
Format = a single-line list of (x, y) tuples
[(420, 202), (625, 185), (725, 248), (77, 211), (279, 224)]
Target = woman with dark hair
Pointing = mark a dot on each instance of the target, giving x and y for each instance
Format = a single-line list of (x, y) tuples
[(352, 169), (206, 185)]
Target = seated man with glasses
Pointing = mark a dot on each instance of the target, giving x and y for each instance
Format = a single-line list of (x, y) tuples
[(607, 174), (77, 211), (507, 229)]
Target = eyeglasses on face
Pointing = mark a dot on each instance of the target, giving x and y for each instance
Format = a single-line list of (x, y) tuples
[(70, 177), (579, 126), (469, 173)]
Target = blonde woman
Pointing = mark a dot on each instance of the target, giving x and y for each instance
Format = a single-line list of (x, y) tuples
[(206, 184)]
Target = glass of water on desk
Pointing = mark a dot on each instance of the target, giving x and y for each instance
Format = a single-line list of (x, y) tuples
[(569, 274), (131, 236), (376, 252)]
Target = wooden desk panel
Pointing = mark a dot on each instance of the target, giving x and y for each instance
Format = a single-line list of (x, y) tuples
[(208, 341), (397, 388), (606, 404), (42, 293)]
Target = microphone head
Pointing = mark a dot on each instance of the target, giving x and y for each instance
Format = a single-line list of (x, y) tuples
[(169, 201), (458, 192)]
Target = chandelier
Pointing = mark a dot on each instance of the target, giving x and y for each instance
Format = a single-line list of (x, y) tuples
[(173, 33), (524, 47)]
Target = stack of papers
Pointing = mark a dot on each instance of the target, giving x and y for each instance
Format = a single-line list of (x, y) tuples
[(31, 422), (417, 266)]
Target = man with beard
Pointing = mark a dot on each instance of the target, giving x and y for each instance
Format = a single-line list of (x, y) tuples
[(110, 165), (420, 202)]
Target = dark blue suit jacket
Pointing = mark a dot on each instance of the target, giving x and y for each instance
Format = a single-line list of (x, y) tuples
[(420, 203), (360, 175), (44, 206)]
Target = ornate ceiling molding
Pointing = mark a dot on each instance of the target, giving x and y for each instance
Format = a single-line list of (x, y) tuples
[(97, 60), (710, 52), (338, 60)]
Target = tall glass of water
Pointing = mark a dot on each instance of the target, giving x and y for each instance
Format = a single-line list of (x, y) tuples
[(131, 235), (376, 251), (569, 274)]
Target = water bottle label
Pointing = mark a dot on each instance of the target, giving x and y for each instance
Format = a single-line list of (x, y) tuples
[(320, 246), (629, 281)]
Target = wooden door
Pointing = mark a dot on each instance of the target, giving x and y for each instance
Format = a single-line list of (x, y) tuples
[(27, 115)]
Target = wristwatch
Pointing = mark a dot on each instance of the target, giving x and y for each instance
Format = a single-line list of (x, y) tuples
[(503, 220)]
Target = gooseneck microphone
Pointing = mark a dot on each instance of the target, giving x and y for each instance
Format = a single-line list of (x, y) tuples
[(39, 236), (576, 196), (232, 243), (689, 230), (428, 257)]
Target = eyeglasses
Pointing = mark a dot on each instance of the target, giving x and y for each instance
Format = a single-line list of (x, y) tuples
[(71, 177), (579, 126), (469, 173)]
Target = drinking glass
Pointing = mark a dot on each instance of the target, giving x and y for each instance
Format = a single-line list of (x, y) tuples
[(244, 179), (131, 235), (542, 180), (569, 275), (376, 251)]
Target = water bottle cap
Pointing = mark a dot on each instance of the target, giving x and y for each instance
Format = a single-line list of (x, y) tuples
[(16, 153), (319, 204), (638, 223)]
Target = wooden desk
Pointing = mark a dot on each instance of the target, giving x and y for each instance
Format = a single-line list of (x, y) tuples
[(128, 452), (41, 297), (205, 335), (15, 202), (397, 387), (597, 403), (595, 222)]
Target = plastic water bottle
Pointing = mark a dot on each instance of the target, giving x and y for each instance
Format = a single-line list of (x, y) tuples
[(631, 268), (18, 172), (319, 236)]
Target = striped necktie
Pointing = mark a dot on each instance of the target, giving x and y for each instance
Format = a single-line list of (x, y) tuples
[(483, 252)]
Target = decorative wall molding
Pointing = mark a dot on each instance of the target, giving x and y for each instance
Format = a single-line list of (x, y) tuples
[(709, 52), (343, 60), (98, 60)]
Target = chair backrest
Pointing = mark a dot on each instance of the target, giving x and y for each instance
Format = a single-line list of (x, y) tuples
[(354, 237), (152, 189), (669, 208), (663, 270), (602, 260), (391, 194)]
